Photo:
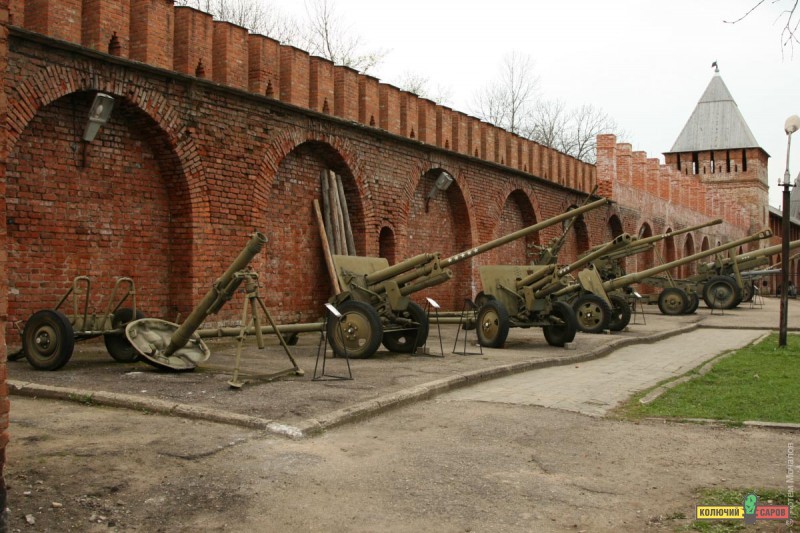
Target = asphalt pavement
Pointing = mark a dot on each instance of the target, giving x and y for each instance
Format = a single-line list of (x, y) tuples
[(652, 348)]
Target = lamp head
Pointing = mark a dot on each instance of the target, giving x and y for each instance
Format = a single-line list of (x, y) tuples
[(791, 125)]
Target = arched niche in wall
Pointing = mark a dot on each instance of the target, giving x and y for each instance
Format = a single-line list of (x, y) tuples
[(297, 277), (615, 228), (386, 245), (577, 238), (517, 214), (438, 221), (116, 206), (670, 253), (704, 245), (688, 249)]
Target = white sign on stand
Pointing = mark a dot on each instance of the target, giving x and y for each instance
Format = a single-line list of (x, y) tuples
[(332, 310), (433, 303)]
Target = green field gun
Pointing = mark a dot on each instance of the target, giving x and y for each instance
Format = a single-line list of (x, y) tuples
[(374, 301)]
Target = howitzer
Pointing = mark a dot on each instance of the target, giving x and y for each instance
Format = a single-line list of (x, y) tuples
[(724, 286), (515, 296), (681, 296), (177, 347), (609, 265), (548, 255), (374, 302)]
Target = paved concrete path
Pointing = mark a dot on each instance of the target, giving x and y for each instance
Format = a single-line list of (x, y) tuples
[(595, 387)]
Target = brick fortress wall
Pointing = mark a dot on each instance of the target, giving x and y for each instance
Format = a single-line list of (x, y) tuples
[(217, 132)]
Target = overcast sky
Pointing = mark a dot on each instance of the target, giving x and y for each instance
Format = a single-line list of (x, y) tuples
[(645, 63)]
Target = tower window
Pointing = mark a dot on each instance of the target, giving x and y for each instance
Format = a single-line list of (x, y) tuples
[(695, 163), (744, 160), (728, 160)]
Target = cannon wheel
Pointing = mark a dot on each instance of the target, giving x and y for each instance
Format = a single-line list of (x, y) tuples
[(358, 334), (721, 292), (692, 303), (402, 341), (117, 344), (747, 291), (482, 298), (620, 313), (492, 325), (48, 340), (561, 334), (672, 301), (592, 313)]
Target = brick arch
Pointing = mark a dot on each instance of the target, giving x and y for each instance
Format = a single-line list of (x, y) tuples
[(688, 249), (283, 206), (646, 259), (441, 228), (614, 226), (289, 139), (38, 91), (516, 213), (136, 223)]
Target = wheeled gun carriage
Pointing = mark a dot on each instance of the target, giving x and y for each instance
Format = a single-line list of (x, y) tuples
[(673, 299), (524, 297), (596, 310), (514, 295), (49, 335), (723, 283), (374, 302)]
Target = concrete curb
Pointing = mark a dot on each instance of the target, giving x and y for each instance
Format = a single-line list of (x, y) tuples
[(713, 421), (353, 413)]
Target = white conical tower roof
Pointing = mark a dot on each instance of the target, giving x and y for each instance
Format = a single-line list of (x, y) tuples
[(715, 124)]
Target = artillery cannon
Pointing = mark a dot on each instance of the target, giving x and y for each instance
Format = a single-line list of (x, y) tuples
[(673, 299), (374, 302), (609, 265), (517, 296), (725, 282)]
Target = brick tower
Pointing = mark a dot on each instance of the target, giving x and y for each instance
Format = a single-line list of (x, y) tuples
[(717, 147)]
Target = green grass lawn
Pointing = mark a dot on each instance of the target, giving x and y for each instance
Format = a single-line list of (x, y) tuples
[(759, 382)]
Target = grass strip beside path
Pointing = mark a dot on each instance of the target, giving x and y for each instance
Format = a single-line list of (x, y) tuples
[(760, 382)]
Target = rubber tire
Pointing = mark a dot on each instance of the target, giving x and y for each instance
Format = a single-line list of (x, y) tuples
[(492, 324), (403, 341), (117, 344), (592, 313), (620, 313), (482, 298), (711, 293), (56, 340), (672, 301), (355, 316), (561, 334), (747, 291), (692, 304)]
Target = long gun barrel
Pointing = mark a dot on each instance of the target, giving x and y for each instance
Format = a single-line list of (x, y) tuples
[(635, 277), (222, 291), (523, 232), (639, 245)]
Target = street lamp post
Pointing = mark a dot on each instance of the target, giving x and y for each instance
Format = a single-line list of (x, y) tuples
[(791, 125)]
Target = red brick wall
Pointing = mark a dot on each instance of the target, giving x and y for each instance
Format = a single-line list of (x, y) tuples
[(57, 18), (230, 55), (94, 222), (4, 404), (152, 32), (101, 20), (194, 41), (264, 64)]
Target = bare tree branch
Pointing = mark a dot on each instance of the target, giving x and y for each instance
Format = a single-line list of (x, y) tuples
[(258, 17), (329, 37), (421, 86), (790, 32), (507, 102)]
